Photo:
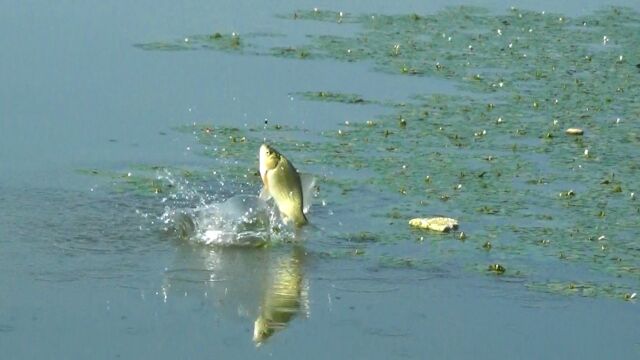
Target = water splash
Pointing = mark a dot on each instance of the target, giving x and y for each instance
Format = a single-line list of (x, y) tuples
[(240, 220)]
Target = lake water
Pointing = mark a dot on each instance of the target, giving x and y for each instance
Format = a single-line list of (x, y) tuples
[(116, 118)]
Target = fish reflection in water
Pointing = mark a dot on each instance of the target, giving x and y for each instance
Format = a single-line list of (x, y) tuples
[(285, 297), (262, 286)]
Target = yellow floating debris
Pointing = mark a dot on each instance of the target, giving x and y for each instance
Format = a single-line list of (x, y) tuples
[(574, 131), (441, 224)]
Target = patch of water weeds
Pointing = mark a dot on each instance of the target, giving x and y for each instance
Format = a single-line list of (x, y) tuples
[(496, 156), (585, 289), (334, 97), (217, 41)]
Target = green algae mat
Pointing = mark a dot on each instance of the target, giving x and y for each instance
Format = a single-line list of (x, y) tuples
[(554, 211)]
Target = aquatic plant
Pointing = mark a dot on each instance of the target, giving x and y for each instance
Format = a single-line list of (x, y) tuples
[(495, 155)]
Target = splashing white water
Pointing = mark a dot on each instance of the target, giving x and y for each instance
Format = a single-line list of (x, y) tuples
[(240, 220)]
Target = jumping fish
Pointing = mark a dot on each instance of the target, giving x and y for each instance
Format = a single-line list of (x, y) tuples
[(282, 182)]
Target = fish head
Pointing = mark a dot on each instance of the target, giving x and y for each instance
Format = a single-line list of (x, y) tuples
[(269, 159), (262, 330)]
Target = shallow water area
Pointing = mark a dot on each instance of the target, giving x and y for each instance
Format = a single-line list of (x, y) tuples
[(131, 225)]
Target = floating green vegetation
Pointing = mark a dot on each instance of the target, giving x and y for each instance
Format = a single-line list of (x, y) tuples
[(497, 268), (323, 15), (585, 289), (333, 97), (421, 264), (225, 42), (362, 237), (147, 180), (495, 156)]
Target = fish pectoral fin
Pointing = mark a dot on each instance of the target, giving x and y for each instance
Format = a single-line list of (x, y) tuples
[(264, 194)]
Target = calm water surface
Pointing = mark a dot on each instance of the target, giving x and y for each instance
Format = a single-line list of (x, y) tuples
[(87, 272)]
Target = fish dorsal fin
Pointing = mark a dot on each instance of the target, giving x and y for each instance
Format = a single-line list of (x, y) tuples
[(308, 183)]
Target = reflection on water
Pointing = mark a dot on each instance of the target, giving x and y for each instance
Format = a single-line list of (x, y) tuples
[(242, 283), (286, 296)]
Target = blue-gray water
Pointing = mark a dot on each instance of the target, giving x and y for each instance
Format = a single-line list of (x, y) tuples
[(85, 272)]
